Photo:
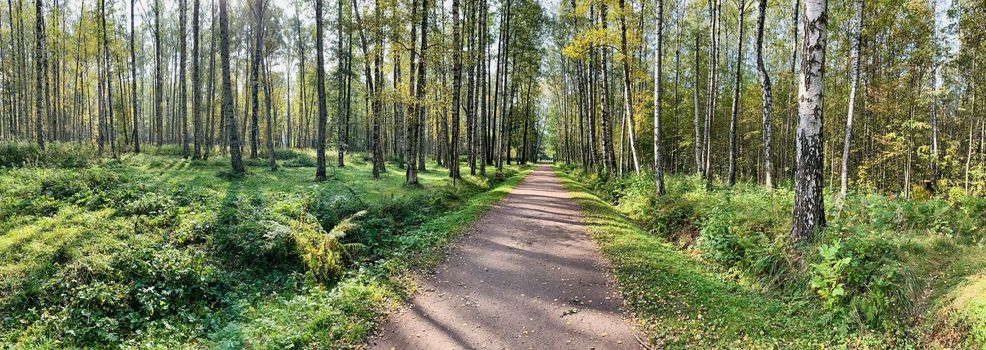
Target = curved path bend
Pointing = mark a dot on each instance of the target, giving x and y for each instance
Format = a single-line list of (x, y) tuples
[(527, 276)]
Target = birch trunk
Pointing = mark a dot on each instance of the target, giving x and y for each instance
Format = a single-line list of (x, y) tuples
[(809, 209)]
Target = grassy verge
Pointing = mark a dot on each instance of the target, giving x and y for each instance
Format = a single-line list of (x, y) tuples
[(886, 273), (347, 314), (682, 303), (156, 251)]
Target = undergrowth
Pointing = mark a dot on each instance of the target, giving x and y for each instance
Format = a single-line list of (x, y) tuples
[(154, 251), (882, 268)]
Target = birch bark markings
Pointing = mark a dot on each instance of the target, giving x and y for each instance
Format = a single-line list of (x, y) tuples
[(767, 97), (658, 72), (39, 35), (609, 160), (809, 209)]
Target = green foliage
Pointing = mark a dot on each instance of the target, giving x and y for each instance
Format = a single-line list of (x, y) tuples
[(156, 251), (683, 303), (870, 272), (827, 274), (55, 155)]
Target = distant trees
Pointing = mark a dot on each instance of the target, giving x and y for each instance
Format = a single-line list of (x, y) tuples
[(500, 81)]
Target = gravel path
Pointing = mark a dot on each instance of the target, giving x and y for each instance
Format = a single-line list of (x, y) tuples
[(527, 277)]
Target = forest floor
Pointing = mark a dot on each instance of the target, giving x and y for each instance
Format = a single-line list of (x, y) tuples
[(921, 261), (527, 276), (154, 251)]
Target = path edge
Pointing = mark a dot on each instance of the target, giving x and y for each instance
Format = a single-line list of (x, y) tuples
[(405, 276)]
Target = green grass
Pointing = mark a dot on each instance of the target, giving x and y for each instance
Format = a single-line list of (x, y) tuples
[(713, 269), (346, 315), (679, 301), (155, 251)]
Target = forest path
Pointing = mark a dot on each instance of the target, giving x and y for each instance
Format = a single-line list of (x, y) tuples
[(527, 276)]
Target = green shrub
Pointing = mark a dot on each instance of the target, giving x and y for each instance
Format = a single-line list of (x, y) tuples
[(14, 154), (292, 158), (863, 277), (247, 233)]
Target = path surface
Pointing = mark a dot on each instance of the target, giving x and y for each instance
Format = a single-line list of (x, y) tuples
[(527, 277)]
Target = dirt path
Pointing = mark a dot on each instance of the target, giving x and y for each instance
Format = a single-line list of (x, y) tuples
[(527, 277)]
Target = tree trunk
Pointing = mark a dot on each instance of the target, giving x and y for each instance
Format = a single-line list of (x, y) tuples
[(658, 92), (258, 8), (731, 176), (453, 159), (320, 88), (133, 78), (854, 72), (158, 76), (268, 91), (415, 128), (627, 85), (40, 65), (212, 85), (109, 84), (697, 120), (227, 106), (767, 97), (183, 94), (483, 93), (809, 210), (340, 79)]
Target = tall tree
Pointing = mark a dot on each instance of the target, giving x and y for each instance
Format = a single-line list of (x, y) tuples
[(109, 81), (268, 91), (39, 57), (158, 76), (658, 91), (699, 149), (809, 209), (182, 83), (768, 164), (340, 79), (227, 107), (453, 161), (731, 176), (715, 28), (414, 128), (854, 81), (258, 8), (482, 88), (133, 78), (609, 159), (628, 84), (320, 88), (196, 85), (212, 82)]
